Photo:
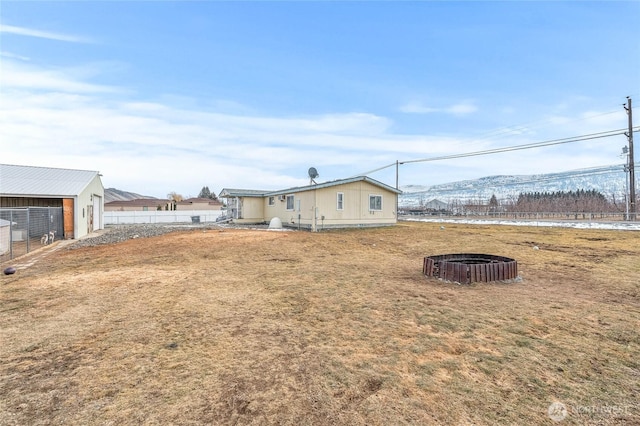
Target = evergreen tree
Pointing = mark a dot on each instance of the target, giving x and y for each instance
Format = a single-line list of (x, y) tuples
[(206, 193)]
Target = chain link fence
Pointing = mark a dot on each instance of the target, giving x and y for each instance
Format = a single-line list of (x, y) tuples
[(26, 229)]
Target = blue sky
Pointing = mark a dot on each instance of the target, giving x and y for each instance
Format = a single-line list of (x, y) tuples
[(171, 96)]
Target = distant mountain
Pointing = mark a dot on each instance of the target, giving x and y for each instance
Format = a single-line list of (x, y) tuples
[(112, 194), (610, 181)]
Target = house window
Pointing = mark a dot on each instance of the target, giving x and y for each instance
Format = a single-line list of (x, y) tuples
[(340, 201), (290, 202), (375, 202), (272, 201)]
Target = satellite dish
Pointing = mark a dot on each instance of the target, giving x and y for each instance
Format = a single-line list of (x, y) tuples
[(313, 173)]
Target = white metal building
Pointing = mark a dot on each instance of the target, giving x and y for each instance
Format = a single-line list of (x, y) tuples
[(79, 192)]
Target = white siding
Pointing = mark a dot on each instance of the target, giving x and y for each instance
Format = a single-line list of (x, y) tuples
[(318, 208), (84, 204)]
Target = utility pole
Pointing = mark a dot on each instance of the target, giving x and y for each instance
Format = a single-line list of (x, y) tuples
[(397, 187), (625, 152), (632, 177)]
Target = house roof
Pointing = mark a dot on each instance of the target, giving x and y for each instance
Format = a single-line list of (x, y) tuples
[(231, 192), (43, 181), (436, 203), (199, 201), (140, 202), (336, 183), (256, 193)]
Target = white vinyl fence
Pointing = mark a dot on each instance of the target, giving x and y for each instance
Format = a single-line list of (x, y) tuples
[(156, 216)]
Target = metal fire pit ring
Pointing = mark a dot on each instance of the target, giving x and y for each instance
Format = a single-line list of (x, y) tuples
[(467, 268)]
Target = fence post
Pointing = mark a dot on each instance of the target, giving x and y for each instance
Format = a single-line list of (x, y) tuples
[(11, 234), (28, 229)]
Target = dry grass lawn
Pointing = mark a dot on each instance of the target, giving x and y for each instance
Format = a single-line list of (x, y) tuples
[(254, 327)]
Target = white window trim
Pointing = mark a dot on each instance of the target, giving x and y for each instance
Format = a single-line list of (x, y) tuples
[(293, 203), (339, 201), (375, 195), (271, 201)]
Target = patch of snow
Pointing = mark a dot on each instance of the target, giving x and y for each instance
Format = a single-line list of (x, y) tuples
[(623, 226)]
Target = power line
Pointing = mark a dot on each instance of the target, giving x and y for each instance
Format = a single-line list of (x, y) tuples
[(552, 142), (509, 130), (581, 138)]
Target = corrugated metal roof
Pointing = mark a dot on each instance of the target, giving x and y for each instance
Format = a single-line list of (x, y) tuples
[(43, 181)]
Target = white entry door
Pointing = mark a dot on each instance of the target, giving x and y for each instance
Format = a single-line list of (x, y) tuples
[(97, 214)]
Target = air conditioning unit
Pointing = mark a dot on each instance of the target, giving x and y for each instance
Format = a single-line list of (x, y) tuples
[(282, 197)]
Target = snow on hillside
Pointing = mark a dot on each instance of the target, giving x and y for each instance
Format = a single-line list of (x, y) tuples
[(610, 183), (622, 226)]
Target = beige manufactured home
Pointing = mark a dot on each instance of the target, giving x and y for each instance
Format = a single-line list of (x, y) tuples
[(354, 202)]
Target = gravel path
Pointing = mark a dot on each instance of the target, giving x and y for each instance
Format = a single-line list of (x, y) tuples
[(118, 233)]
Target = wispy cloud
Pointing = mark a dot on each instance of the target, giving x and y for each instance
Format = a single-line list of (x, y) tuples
[(462, 108), (23, 76), (56, 118), (14, 56), (29, 32), (417, 107)]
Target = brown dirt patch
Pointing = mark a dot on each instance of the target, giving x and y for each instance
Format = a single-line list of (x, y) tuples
[(341, 327)]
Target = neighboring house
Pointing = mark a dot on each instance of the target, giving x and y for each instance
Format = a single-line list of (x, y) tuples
[(353, 202), (140, 205), (155, 204), (80, 193), (198, 204), (436, 205)]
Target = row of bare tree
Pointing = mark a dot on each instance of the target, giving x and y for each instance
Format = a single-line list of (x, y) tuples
[(563, 202), (560, 202)]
